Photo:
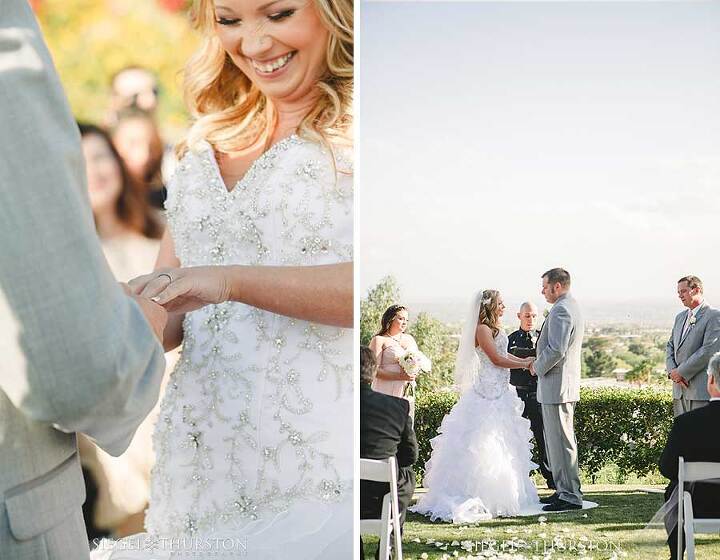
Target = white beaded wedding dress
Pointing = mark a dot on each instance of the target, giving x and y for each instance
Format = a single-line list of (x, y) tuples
[(481, 460), (254, 442)]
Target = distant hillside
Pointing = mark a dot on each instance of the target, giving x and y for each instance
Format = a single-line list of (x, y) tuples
[(645, 314)]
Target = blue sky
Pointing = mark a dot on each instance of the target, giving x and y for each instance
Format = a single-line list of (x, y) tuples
[(500, 139)]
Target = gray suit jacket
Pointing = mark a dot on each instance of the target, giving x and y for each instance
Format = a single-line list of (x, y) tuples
[(691, 354), (559, 353), (76, 354)]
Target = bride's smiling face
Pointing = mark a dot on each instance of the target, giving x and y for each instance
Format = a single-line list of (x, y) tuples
[(500, 306), (279, 45)]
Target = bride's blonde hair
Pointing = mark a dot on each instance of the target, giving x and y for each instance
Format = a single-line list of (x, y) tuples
[(231, 113), (489, 314)]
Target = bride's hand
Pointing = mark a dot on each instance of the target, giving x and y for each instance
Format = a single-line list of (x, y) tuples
[(531, 366), (182, 290)]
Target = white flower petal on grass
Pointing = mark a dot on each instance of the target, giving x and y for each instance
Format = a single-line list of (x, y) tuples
[(455, 543), (424, 556), (542, 519)]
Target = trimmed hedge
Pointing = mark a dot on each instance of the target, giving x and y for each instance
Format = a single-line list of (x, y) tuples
[(625, 427)]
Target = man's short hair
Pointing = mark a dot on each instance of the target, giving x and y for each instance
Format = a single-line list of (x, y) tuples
[(714, 369), (131, 68), (692, 282), (525, 305), (368, 365), (558, 276)]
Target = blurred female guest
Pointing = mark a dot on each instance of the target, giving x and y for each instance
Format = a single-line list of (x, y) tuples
[(128, 228), (389, 345), (255, 441), (138, 142), (129, 235)]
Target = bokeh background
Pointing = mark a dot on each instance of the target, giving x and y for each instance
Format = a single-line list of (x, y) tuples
[(91, 40)]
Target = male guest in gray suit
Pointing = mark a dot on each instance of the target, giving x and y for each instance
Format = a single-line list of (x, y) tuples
[(77, 354), (557, 367), (695, 338)]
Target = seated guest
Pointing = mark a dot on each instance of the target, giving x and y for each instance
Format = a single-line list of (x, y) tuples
[(691, 438), (385, 431)]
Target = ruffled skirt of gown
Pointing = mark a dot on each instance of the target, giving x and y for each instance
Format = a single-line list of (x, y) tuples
[(480, 463)]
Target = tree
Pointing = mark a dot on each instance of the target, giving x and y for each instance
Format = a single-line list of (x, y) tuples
[(642, 372), (435, 340), (378, 299), (596, 343), (599, 363)]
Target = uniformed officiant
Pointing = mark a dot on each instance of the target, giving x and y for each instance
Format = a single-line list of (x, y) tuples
[(521, 343)]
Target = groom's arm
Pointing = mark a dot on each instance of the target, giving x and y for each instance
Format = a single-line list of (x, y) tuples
[(76, 351), (698, 360), (559, 328)]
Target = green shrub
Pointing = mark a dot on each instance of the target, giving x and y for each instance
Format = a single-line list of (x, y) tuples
[(623, 427)]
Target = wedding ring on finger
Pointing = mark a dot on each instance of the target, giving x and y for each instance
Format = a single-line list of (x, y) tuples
[(164, 274)]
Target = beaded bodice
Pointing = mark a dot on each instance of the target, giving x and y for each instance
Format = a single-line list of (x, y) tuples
[(491, 381), (257, 416)]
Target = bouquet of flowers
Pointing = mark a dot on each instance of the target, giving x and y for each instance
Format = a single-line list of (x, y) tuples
[(414, 361)]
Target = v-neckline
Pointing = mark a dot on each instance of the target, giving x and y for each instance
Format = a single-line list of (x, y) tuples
[(252, 167)]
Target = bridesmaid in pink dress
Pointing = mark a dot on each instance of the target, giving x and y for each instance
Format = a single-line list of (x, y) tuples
[(388, 345)]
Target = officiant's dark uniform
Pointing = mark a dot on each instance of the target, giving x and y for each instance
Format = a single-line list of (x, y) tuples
[(693, 437), (522, 344)]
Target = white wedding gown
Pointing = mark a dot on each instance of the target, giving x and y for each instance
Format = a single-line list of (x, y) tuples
[(482, 457), (254, 441)]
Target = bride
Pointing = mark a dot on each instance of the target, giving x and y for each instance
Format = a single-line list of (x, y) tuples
[(254, 439), (481, 459)]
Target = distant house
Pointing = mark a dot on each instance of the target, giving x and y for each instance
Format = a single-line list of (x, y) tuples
[(620, 373)]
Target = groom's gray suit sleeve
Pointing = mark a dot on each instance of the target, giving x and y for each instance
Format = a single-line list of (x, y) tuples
[(76, 352), (559, 328)]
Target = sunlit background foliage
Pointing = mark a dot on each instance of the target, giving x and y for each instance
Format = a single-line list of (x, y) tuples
[(90, 40)]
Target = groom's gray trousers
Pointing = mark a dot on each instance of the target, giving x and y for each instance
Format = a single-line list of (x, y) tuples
[(561, 448)]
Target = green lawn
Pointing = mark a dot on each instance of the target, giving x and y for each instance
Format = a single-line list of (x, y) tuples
[(614, 529)]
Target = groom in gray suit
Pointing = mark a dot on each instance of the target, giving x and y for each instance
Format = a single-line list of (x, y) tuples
[(77, 354), (557, 367), (695, 338)]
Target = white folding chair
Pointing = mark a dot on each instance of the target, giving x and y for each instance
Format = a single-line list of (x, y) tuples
[(692, 472), (389, 521)]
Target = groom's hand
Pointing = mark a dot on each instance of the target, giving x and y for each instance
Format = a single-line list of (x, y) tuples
[(155, 315)]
